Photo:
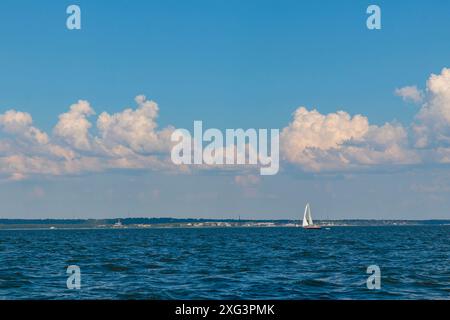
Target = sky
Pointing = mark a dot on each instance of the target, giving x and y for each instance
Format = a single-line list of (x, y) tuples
[(86, 115)]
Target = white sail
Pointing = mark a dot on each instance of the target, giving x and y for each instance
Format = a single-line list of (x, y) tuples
[(307, 219), (310, 221)]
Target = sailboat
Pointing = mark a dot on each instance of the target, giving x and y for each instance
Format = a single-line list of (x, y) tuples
[(307, 219)]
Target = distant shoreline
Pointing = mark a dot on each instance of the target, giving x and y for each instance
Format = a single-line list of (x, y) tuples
[(166, 223)]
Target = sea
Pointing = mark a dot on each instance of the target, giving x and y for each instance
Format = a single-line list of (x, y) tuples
[(409, 262)]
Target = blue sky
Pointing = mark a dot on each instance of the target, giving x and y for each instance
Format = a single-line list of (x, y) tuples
[(253, 61), (231, 64)]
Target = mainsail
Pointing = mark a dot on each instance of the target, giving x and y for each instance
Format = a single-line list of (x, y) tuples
[(307, 219)]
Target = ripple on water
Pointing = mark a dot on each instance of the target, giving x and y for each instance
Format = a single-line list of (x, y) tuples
[(231, 263)]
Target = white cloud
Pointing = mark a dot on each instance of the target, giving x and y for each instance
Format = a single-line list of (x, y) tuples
[(410, 93), (20, 124), (432, 123), (382, 145), (312, 141), (126, 140), (338, 141), (306, 140), (133, 129), (73, 126), (311, 129)]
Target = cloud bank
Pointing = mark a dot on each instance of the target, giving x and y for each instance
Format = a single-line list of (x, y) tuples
[(311, 142), (339, 142), (129, 139)]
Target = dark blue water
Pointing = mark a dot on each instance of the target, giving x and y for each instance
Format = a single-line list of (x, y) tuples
[(228, 263)]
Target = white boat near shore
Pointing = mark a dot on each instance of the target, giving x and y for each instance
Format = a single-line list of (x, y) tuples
[(307, 219)]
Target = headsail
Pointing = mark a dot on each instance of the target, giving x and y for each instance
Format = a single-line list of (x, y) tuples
[(307, 219)]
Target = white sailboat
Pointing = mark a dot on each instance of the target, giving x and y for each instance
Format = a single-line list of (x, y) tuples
[(307, 219)]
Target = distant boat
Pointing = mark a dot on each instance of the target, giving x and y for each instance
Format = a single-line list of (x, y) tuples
[(307, 219), (118, 224)]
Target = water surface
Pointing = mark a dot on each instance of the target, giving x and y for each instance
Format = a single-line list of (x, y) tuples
[(227, 263)]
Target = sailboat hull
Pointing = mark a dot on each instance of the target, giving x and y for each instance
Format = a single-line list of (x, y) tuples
[(312, 227)]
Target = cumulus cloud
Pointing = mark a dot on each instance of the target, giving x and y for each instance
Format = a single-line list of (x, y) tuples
[(312, 141), (20, 124), (432, 123), (382, 145), (338, 141), (311, 134), (410, 93), (73, 126), (134, 129), (129, 139)]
